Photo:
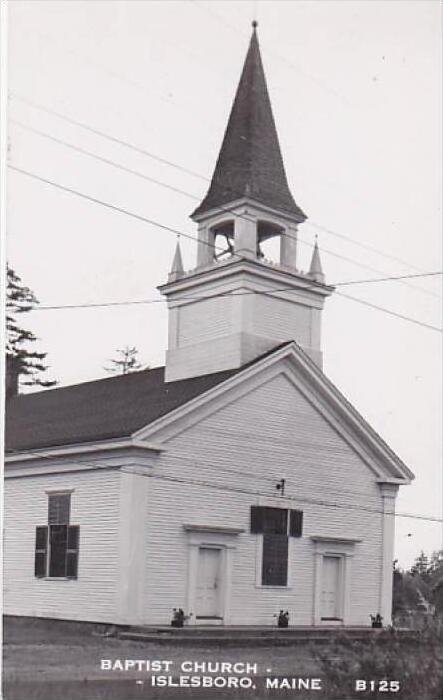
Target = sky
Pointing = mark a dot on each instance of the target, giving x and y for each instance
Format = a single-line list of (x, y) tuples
[(355, 88)]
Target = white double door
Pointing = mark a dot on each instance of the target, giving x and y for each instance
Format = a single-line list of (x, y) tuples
[(331, 589), (209, 588)]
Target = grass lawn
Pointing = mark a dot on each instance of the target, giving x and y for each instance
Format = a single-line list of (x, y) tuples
[(44, 662), (41, 662)]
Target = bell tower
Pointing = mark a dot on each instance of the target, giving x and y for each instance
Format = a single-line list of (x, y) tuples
[(235, 304)]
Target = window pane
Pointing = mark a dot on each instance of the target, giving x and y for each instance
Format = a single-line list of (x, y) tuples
[(275, 560), (58, 508), (275, 521), (57, 553)]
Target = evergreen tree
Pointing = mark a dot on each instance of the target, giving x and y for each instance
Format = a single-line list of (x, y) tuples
[(28, 363), (125, 362), (421, 566)]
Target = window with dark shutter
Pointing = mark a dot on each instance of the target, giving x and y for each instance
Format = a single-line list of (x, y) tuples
[(41, 548), (276, 525), (56, 544), (275, 560)]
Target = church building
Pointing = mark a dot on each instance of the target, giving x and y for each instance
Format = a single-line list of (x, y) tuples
[(235, 481)]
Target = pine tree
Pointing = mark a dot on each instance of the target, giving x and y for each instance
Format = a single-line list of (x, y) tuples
[(421, 566), (125, 362), (26, 362)]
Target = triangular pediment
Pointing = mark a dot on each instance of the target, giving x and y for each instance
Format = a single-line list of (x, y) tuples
[(300, 375)]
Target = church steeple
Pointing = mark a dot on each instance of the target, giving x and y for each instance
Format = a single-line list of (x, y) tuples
[(250, 163), (236, 304)]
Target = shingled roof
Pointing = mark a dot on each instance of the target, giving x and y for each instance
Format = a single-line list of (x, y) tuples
[(250, 163), (99, 410), (114, 407)]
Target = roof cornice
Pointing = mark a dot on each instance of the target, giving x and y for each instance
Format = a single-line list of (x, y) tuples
[(92, 448), (272, 272)]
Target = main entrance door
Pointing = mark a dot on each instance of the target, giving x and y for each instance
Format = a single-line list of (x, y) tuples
[(208, 594), (330, 594)]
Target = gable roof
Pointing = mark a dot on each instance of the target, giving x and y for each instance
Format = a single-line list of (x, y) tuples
[(289, 358), (108, 408), (250, 163)]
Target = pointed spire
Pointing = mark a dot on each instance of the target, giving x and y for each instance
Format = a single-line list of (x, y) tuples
[(177, 269), (316, 270), (250, 161)]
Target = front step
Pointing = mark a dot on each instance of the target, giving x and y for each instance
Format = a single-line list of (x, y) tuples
[(255, 636)]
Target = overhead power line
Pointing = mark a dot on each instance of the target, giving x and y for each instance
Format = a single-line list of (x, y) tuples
[(183, 169), (139, 217), (192, 297), (106, 135), (237, 489), (228, 210)]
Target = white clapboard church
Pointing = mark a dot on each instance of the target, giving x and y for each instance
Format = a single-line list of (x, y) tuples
[(236, 480)]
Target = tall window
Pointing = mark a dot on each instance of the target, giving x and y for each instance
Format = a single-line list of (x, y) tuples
[(276, 525), (56, 544)]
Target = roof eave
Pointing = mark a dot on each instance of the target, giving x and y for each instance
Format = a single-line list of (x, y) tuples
[(200, 214), (55, 451)]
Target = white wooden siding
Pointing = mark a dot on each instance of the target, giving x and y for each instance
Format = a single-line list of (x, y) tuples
[(273, 433), (204, 320), (281, 320), (245, 448), (95, 508)]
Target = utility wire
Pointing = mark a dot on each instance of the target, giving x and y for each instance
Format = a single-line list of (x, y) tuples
[(137, 173), (234, 489), (130, 302), (107, 161), (365, 246), (106, 135), (139, 217), (149, 154), (389, 311)]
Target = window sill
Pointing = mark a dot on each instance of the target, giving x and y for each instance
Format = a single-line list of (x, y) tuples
[(273, 588), (55, 578)]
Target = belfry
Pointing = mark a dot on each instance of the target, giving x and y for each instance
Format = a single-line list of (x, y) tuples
[(235, 304)]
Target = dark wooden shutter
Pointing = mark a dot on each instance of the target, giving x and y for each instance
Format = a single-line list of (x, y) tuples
[(41, 550), (257, 519), (296, 523), (72, 551), (275, 560)]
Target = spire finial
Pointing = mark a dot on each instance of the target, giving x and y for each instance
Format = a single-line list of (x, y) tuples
[(254, 24), (177, 264), (315, 269)]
